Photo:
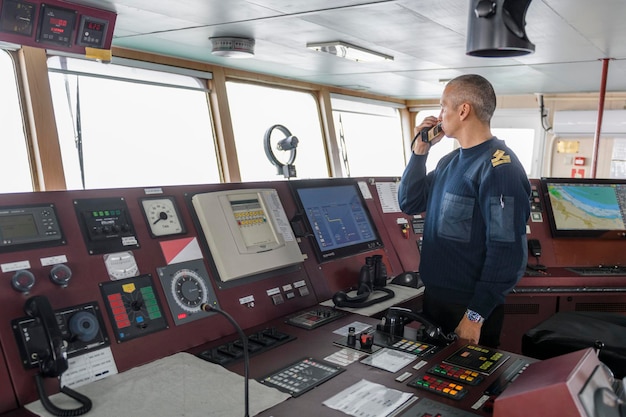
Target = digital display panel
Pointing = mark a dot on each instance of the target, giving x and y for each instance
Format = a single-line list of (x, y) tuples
[(18, 227), (28, 227), (56, 25), (337, 217), (586, 207), (92, 32)]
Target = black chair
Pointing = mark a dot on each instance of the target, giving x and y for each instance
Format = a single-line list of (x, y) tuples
[(567, 332)]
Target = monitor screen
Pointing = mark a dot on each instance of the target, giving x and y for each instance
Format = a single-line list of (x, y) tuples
[(580, 207), (337, 217)]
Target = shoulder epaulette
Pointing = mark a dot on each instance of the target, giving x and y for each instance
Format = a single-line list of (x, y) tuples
[(499, 158)]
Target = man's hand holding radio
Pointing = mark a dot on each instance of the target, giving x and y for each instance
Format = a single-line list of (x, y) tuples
[(421, 147)]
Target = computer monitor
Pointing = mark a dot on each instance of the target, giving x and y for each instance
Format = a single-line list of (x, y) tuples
[(585, 208), (337, 217)]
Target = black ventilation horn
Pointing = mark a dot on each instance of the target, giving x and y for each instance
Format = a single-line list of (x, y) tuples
[(496, 29)]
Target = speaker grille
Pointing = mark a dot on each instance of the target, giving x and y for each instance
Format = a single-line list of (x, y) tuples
[(607, 307), (521, 308)]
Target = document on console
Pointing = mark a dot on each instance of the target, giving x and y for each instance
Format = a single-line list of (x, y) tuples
[(367, 399)]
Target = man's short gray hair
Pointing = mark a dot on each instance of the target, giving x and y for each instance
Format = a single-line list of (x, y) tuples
[(477, 91)]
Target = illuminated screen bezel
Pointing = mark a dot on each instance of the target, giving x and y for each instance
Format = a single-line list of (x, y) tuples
[(346, 189), (558, 230)]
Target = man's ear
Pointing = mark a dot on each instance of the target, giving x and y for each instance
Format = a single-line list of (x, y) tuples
[(464, 110)]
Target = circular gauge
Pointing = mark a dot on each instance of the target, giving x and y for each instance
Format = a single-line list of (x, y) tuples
[(121, 265), (17, 17), (162, 216), (189, 290)]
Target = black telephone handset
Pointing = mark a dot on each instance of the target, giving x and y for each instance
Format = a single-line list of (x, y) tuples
[(372, 277), (534, 249), (397, 317), (53, 362)]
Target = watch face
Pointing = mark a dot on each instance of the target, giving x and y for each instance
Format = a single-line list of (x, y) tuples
[(474, 316), (162, 216)]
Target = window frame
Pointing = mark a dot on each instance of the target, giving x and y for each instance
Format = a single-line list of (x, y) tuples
[(21, 87)]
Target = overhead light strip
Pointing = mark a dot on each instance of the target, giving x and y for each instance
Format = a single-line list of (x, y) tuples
[(348, 51)]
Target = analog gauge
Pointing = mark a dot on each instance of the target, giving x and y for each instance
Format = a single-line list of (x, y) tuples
[(121, 265), (17, 17), (189, 290), (162, 216)]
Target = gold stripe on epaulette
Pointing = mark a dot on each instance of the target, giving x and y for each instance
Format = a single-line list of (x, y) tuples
[(500, 158)]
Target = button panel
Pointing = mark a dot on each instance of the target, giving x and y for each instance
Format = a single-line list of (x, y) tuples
[(456, 373), (439, 386)]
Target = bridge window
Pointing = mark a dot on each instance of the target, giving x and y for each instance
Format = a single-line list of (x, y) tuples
[(442, 148), (370, 136), (15, 166), (519, 128), (254, 109), (123, 126)]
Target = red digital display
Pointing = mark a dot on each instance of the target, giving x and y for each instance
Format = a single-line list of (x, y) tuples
[(94, 26), (58, 22)]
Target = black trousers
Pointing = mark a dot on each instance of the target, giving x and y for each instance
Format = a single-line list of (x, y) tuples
[(448, 316)]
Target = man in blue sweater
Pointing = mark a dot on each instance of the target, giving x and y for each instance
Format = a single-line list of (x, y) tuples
[(474, 247)]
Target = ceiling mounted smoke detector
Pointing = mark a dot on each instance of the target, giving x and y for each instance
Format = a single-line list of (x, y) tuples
[(232, 47)]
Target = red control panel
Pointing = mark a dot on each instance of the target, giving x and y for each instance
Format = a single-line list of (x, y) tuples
[(56, 25)]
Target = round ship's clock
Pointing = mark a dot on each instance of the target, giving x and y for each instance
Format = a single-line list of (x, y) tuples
[(162, 216)]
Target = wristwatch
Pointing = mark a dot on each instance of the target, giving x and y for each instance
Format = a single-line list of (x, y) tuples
[(474, 317)]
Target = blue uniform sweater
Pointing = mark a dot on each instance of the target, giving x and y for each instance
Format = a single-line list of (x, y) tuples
[(477, 205)]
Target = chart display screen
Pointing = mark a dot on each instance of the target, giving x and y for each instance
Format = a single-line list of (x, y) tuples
[(586, 208), (337, 217)]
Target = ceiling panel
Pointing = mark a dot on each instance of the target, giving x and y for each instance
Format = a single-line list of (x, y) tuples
[(427, 39)]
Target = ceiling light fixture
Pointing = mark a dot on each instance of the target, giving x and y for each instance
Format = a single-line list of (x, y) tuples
[(232, 47), (348, 51)]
